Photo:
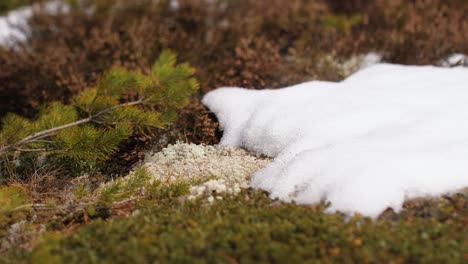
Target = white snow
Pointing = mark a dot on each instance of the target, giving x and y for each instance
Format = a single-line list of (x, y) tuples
[(370, 59), (11, 23), (385, 134), (174, 4), (14, 25), (456, 59)]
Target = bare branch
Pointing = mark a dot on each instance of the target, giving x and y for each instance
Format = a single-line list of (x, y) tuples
[(33, 150)]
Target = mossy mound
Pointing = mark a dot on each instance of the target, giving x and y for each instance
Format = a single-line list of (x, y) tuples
[(253, 228)]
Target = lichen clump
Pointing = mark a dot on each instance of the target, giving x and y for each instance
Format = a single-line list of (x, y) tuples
[(212, 170)]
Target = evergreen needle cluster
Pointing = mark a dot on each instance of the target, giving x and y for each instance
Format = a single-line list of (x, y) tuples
[(91, 128)]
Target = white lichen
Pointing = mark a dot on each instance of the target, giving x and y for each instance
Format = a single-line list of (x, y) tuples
[(347, 66), (212, 171)]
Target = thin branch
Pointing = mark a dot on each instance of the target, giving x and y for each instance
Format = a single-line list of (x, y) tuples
[(42, 134), (44, 141), (33, 150), (71, 207), (48, 207), (125, 201)]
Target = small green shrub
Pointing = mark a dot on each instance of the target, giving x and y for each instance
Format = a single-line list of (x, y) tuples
[(88, 131)]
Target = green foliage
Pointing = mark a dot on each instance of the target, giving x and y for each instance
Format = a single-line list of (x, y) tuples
[(81, 192), (14, 208), (121, 188), (54, 115), (88, 131), (174, 82), (87, 144), (162, 191), (12, 197), (141, 184), (14, 128)]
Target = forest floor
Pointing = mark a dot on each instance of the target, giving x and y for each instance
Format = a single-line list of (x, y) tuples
[(49, 216)]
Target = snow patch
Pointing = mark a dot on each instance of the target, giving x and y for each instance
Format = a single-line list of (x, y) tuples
[(174, 4), (14, 25), (370, 59), (385, 134)]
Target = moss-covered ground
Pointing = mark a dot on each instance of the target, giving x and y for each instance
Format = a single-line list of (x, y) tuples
[(253, 228)]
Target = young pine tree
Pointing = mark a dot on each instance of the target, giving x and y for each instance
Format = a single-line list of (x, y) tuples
[(90, 129)]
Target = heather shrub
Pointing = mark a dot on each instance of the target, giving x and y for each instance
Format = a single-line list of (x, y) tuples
[(409, 32), (210, 35), (43, 72)]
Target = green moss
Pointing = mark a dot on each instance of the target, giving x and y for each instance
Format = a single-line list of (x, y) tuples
[(12, 197), (139, 184), (124, 188), (91, 211), (80, 191), (46, 253), (158, 190), (253, 228), (13, 208)]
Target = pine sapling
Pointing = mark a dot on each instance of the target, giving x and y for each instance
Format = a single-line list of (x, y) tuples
[(91, 128)]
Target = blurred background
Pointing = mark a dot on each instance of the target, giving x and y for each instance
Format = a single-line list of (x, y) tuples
[(53, 49)]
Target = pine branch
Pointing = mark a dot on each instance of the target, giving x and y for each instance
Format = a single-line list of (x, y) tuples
[(36, 137), (68, 134)]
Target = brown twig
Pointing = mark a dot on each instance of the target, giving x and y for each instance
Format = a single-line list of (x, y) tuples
[(35, 137)]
